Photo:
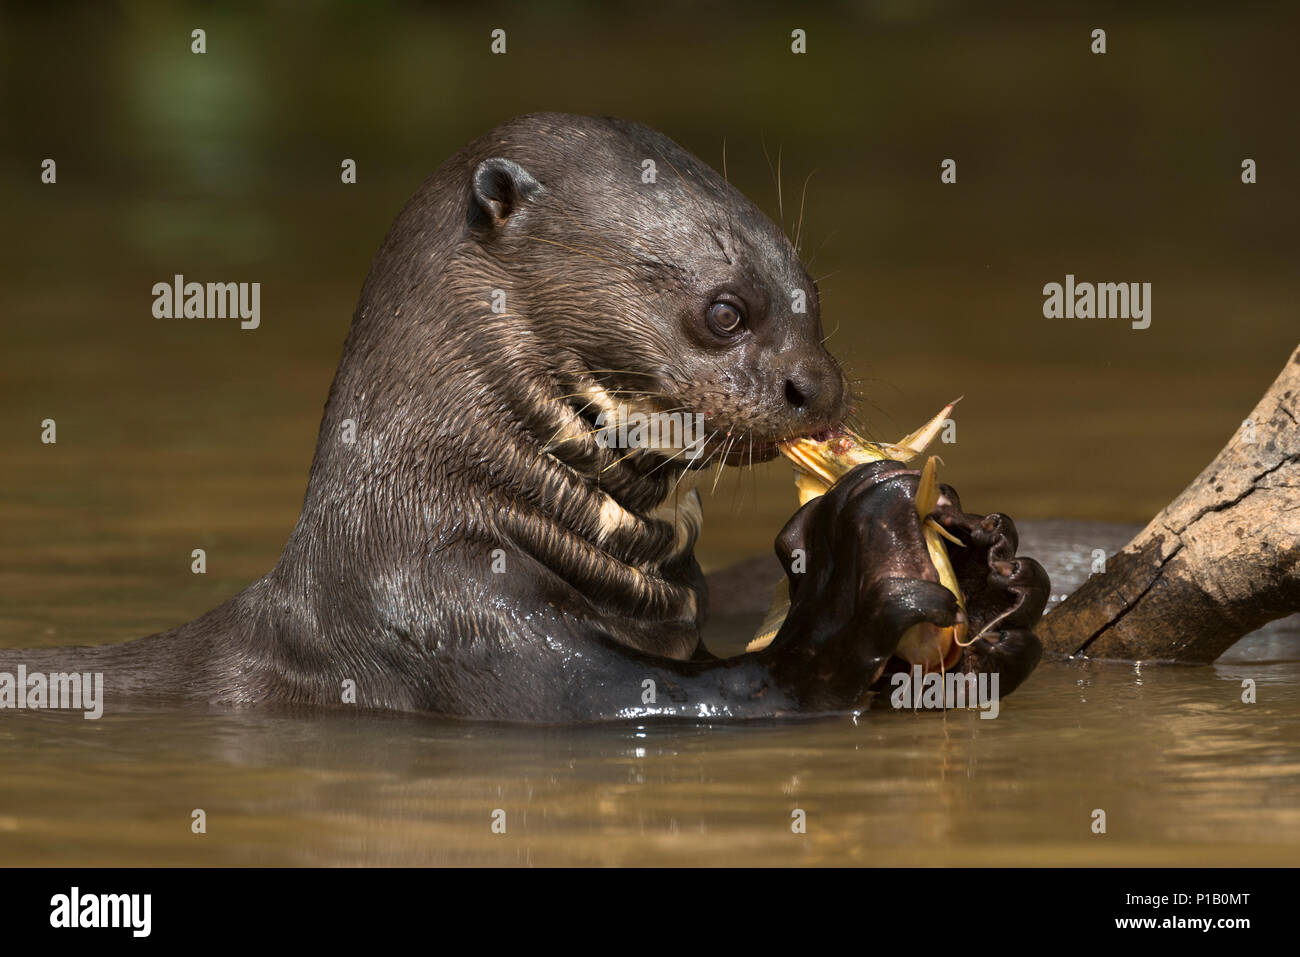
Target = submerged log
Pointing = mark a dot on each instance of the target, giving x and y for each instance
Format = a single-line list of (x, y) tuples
[(1218, 562)]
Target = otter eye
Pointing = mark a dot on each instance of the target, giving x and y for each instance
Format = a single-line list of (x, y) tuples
[(725, 319)]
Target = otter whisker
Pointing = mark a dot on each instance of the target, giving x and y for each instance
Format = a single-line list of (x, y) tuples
[(722, 461), (731, 227), (798, 232), (780, 199), (622, 458), (776, 177), (611, 391), (820, 246), (549, 444), (600, 428), (739, 497), (622, 371), (667, 461), (684, 471), (619, 390), (587, 391)]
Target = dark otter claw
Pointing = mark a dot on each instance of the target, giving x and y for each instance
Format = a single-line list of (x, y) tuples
[(1005, 593), (1011, 654)]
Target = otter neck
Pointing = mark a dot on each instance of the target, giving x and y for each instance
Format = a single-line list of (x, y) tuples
[(466, 439), (618, 527)]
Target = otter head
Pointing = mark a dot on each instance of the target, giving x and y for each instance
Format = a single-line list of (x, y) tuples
[(555, 279), (653, 288)]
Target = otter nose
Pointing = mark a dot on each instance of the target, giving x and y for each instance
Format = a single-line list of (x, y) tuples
[(814, 389)]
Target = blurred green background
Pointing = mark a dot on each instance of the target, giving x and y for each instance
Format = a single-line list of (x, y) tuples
[(225, 166)]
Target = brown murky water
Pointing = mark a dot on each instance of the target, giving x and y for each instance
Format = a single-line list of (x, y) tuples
[(183, 435), (1185, 772)]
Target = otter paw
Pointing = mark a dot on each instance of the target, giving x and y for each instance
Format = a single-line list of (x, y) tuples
[(860, 576), (1005, 592)]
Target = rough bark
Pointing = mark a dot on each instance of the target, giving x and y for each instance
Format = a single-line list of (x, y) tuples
[(1218, 562)]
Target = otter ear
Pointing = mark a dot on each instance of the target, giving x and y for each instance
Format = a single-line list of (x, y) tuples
[(500, 187)]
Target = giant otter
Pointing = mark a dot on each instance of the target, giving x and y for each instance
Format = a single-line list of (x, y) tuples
[(474, 551)]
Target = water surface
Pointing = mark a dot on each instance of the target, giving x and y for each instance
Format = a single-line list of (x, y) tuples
[(1186, 773)]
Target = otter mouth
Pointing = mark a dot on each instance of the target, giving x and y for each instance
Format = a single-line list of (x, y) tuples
[(745, 453), (754, 451), (632, 420)]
